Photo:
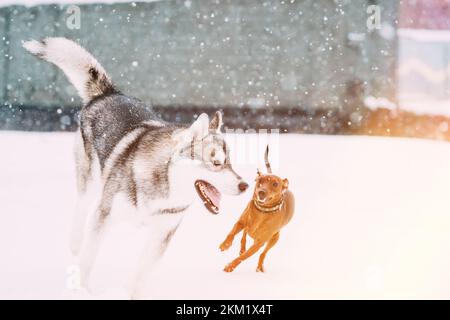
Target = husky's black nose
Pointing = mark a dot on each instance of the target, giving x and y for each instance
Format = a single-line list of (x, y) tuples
[(243, 186)]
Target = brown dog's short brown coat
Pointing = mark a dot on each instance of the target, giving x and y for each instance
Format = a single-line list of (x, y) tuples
[(270, 209)]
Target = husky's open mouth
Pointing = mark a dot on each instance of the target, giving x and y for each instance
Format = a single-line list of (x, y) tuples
[(209, 195)]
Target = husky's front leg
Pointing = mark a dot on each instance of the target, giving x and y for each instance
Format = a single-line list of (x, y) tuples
[(155, 248), (95, 233)]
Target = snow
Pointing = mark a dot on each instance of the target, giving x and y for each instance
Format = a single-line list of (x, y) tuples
[(374, 103), (372, 221), (425, 35)]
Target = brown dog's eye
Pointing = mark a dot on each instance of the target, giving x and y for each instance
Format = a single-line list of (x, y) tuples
[(275, 184)]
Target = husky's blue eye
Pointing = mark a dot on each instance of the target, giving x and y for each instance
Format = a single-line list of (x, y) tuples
[(275, 184)]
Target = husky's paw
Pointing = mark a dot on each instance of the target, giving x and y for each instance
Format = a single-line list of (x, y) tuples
[(260, 269)]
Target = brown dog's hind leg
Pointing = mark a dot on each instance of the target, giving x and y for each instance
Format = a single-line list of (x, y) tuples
[(243, 242), (269, 245), (233, 264)]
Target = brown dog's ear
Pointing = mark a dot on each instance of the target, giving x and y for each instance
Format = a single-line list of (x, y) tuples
[(285, 184)]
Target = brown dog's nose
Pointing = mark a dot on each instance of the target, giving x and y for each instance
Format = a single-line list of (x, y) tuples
[(243, 186)]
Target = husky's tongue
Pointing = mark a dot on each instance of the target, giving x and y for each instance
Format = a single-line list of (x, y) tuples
[(209, 195), (213, 195)]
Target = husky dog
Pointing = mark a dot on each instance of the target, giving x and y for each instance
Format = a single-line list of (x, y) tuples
[(158, 166)]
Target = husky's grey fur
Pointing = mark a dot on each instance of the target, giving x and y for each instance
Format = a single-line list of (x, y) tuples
[(154, 164)]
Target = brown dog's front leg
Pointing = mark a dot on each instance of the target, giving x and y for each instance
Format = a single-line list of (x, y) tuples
[(269, 245), (229, 239), (255, 247), (243, 242)]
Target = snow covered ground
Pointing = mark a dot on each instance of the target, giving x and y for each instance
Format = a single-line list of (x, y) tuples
[(372, 221)]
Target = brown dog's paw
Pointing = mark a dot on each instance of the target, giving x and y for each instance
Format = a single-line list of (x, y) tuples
[(225, 245), (229, 267), (260, 269)]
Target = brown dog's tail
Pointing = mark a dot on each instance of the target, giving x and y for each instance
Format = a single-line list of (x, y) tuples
[(266, 160)]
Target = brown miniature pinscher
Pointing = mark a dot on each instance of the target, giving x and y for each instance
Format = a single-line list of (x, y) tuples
[(270, 209)]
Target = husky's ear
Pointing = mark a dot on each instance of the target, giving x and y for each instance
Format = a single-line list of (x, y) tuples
[(199, 129), (258, 174), (216, 122)]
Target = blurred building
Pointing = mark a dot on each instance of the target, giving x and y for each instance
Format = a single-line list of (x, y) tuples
[(424, 56), (290, 64)]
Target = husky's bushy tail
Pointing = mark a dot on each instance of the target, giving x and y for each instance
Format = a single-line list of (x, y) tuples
[(80, 67)]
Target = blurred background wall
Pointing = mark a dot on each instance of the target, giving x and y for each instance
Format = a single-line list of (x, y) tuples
[(424, 56), (256, 57)]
